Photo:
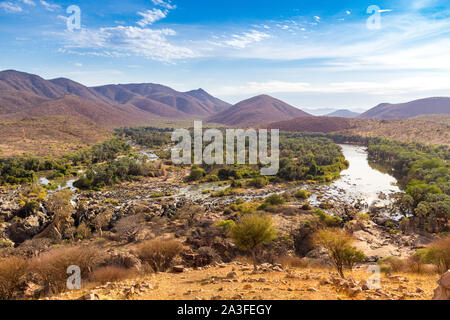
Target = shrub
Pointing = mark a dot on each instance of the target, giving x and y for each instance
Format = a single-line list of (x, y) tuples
[(337, 242), (196, 174), (159, 253), (363, 217), (438, 253), (392, 264), (207, 256), (275, 199), (111, 274), (51, 267), (12, 274), (302, 194), (293, 262), (252, 232), (128, 227), (328, 220), (212, 178), (259, 182), (226, 225)]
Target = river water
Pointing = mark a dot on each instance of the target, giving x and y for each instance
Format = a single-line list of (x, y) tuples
[(361, 182)]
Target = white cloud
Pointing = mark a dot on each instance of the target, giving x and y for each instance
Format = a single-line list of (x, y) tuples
[(151, 16), (49, 6), (317, 18), (78, 64), (348, 12), (392, 87), (243, 40), (164, 4), (10, 7), (29, 2), (123, 41)]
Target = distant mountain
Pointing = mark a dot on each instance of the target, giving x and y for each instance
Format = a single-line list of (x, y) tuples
[(343, 113), (409, 109), (112, 105), (11, 80), (213, 103), (257, 110)]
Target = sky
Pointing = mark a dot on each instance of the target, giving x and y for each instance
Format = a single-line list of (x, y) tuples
[(311, 54)]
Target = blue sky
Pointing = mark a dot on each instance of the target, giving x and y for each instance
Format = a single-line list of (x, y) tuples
[(312, 54)]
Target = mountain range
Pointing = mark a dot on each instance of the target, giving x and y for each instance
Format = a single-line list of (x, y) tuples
[(23, 94), (437, 105), (27, 95)]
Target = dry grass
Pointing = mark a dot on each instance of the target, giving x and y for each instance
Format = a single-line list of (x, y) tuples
[(111, 274), (159, 253), (51, 267), (12, 273)]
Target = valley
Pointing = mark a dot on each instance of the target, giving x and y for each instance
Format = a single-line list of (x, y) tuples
[(87, 178)]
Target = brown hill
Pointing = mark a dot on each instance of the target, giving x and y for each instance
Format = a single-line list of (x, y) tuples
[(408, 109), (256, 111), (71, 106), (213, 104), (154, 99), (75, 88), (178, 100), (30, 83), (18, 101)]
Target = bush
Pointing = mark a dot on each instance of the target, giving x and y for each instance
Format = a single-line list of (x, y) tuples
[(196, 174), (438, 253), (302, 194), (293, 262), (13, 271), (226, 225), (392, 264), (207, 256), (111, 274), (275, 199), (212, 178), (159, 253), (337, 242), (328, 220), (252, 232), (259, 182), (51, 267)]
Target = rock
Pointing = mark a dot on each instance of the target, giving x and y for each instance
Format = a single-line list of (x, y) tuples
[(90, 296), (231, 275), (365, 287), (443, 291), (247, 287), (312, 290), (353, 291), (178, 269)]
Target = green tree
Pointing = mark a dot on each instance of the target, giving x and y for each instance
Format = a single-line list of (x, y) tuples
[(252, 232), (338, 244)]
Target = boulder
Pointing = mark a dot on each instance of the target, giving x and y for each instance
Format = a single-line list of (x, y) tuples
[(443, 291)]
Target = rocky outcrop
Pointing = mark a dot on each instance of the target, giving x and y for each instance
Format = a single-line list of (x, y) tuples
[(443, 291)]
